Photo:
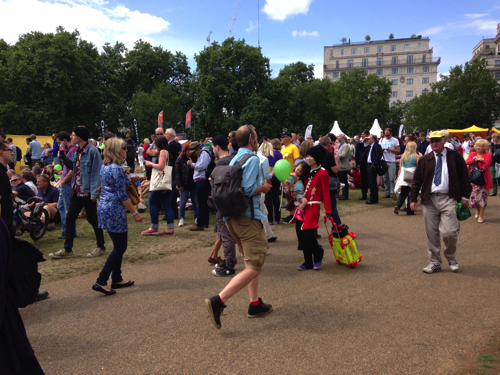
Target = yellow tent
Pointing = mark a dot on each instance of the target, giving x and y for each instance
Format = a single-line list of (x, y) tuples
[(482, 132), (20, 141)]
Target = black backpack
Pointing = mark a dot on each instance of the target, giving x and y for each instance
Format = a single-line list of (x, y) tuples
[(211, 165), (495, 150), (227, 193), (19, 154)]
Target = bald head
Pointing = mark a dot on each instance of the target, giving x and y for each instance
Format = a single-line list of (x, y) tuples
[(159, 131)]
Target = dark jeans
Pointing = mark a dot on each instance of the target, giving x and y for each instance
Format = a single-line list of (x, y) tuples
[(202, 190), (228, 242), (364, 181), (273, 201), (405, 194), (343, 178), (309, 245), (113, 265), (372, 183), (75, 206), (173, 203), (335, 212)]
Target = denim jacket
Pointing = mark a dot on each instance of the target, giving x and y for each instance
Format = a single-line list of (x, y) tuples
[(90, 169)]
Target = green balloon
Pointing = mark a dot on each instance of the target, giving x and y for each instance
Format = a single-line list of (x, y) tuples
[(58, 167), (282, 169)]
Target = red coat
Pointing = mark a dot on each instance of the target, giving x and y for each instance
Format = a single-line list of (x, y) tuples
[(320, 186), (482, 164)]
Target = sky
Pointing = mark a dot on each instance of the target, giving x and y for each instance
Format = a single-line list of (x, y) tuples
[(289, 30)]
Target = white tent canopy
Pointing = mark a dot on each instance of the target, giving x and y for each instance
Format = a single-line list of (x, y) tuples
[(376, 129), (336, 130)]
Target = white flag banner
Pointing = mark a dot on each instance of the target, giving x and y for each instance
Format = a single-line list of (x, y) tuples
[(401, 130), (308, 132)]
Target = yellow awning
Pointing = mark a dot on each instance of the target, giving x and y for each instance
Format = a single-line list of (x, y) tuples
[(482, 132)]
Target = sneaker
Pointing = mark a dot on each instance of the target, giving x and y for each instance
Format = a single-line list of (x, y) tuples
[(61, 254), (453, 265), (432, 268), (270, 222), (220, 265), (302, 268), (168, 232), (224, 271), (287, 219), (396, 210), (277, 222), (272, 239), (317, 265), (150, 232), (215, 309), (181, 222), (97, 252), (61, 237), (261, 308)]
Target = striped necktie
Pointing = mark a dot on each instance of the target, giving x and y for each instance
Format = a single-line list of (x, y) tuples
[(437, 173)]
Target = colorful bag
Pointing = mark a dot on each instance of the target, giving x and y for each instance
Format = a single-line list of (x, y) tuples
[(343, 243)]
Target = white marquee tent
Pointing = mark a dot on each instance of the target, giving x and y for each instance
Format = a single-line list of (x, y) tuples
[(376, 129), (336, 130)]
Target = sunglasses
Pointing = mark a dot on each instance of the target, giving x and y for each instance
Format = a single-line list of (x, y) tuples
[(435, 140), (159, 133), (14, 180)]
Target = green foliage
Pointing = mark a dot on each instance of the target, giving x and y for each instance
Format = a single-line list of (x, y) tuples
[(430, 111), (473, 95)]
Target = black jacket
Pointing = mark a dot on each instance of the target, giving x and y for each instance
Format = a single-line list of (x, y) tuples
[(361, 153), (184, 173), (377, 153)]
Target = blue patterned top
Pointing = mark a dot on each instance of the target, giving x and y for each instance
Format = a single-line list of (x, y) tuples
[(111, 211)]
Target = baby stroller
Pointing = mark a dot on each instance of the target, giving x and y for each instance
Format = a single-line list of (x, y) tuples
[(343, 244)]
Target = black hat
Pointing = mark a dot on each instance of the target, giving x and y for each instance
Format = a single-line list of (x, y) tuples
[(286, 133), (221, 141), (82, 132), (317, 152)]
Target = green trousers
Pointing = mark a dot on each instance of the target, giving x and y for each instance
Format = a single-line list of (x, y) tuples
[(494, 178)]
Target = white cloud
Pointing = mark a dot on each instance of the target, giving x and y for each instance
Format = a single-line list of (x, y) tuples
[(280, 10), (433, 30), (476, 15), (96, 21), (296, 33), (252, 27)]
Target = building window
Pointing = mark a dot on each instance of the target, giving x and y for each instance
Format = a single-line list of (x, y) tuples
[(394, 70), (394, 60), (409, 94), (393, 105), (367, 49), (335, 74), (337, 64), (497, 62), (419, 46), (409, 59), (394, 82), (379, 61), (425, 81), (350, 64), (487, 46), (353, 51), (366, 71), (393, 48), (407, 47), (424, 58), (380, 72), (425, 91), (409, 70), (379, 49), (425, 69), (364, 62), (497, 75), (394, 94), (342, 52), (409, 81)]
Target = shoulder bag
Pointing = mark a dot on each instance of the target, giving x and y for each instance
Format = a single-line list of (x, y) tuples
[(476, 175), (382, 167), (161, 179)]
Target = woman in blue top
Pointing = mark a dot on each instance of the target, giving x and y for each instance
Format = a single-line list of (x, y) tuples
[(408, 163), (112, 215)]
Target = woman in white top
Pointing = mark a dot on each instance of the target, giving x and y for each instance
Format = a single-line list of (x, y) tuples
[(140, 156)]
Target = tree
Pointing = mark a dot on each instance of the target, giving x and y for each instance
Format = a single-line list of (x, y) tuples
[(358, 99), (430, 111), (391, 36), (226, 77), (472, 93), (343, 40), (397, 115), (368, 38), (296, 74)]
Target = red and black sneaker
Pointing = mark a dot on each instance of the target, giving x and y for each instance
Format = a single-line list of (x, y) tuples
[(215, 309), (261, 308)]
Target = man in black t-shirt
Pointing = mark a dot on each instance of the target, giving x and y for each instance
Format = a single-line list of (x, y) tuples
[(332, 168), (6, 205), (23, 191)]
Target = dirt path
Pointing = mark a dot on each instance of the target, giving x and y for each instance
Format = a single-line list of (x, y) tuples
[(384, 317)]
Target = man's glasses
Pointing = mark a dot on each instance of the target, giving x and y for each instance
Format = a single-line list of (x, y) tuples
[(14, 180)]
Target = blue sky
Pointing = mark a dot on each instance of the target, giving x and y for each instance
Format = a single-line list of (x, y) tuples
[(290, 30)]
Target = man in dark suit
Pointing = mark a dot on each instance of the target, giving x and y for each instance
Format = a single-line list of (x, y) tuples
[(360, 157), (443, 180), (422, 144), (373, 158)]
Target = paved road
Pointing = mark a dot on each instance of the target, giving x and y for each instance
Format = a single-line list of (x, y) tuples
[(384, 317)]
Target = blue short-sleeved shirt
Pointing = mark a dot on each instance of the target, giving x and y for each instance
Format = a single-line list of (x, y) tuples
[(111, 211), (51, 194), (36, 149)]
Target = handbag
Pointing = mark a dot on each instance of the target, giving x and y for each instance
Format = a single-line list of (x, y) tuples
[(161, 180), (476, 175), (382, 167), (463, 213), (407, 176), (334, 183)]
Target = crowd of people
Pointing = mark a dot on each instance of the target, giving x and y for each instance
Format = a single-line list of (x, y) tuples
[(78, 173)]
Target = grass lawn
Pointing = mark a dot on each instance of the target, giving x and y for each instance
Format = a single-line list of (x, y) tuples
[(145, 248)]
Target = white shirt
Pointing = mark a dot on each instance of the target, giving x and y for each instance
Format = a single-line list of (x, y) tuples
[(446, 145), (391, 143), (444, 187), (466, 146), (369, 160)]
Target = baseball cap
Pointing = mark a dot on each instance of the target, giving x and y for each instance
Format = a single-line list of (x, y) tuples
[(286, 133), (466, 134), (436, 134)]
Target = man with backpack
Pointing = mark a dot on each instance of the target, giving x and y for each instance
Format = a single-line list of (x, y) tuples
[(244, 225), (202, 169)]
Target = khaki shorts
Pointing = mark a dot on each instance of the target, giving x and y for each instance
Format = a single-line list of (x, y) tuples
[(251, 240)]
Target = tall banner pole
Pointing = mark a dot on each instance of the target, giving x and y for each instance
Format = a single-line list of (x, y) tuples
[(136, 129), (103, 128), (160, 119)]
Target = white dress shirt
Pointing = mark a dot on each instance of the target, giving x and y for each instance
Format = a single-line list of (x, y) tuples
[(444, 186), (369, 160)]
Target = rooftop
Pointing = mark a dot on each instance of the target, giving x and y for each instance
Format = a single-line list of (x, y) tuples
[(379, 41)]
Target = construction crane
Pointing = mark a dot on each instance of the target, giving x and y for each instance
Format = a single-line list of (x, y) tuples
[(208, 38), (233, 17)]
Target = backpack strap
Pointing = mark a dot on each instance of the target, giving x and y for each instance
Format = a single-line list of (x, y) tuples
[(242, 162)]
